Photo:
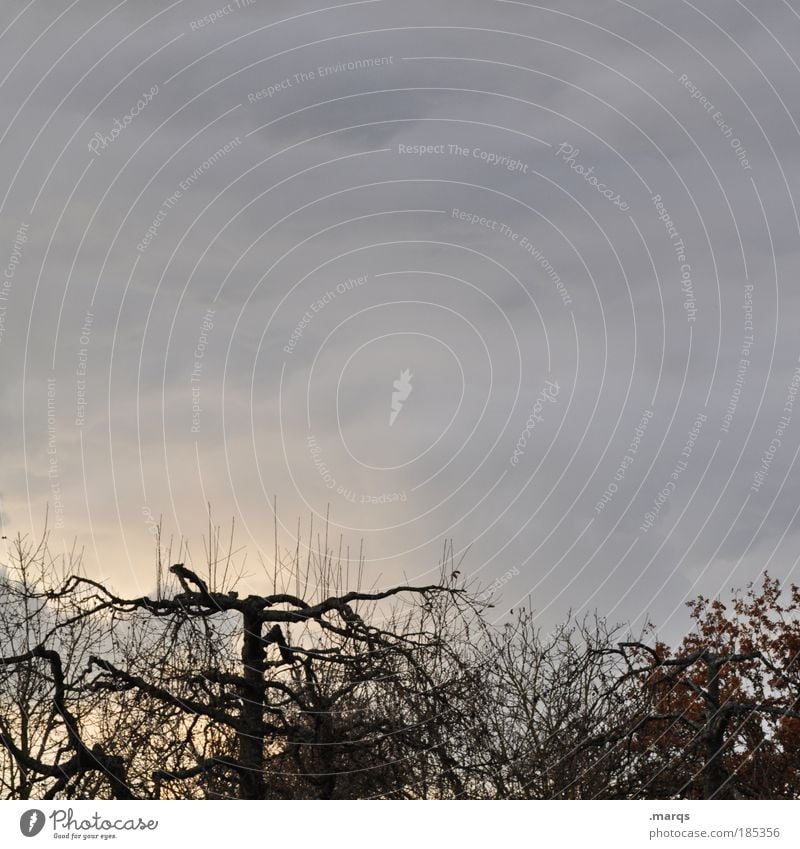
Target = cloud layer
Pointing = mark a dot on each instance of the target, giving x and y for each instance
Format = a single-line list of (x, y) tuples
[(562, 240)]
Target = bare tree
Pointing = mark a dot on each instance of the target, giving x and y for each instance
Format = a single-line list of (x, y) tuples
[(319, 688), (316, 692), (42, 750), (550, 711)]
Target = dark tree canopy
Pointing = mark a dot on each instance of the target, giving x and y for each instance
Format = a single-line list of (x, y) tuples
[(317, 691)]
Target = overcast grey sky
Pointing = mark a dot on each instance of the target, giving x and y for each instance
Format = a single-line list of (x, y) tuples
[(520, 275)]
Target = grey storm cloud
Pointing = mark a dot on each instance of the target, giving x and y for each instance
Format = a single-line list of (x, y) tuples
[(244, 222)]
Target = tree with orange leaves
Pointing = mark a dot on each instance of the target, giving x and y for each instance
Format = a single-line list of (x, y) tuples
[(723, 710)]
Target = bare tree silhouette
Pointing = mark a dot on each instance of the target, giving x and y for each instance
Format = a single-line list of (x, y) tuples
[(313, 690)]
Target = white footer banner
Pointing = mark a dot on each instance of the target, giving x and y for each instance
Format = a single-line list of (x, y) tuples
[(417, 824)]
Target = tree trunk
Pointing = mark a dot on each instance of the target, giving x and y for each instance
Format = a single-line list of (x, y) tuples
[(251, 735), (714, 775)]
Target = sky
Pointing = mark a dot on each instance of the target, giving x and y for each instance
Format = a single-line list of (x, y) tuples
[(520, 275)]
